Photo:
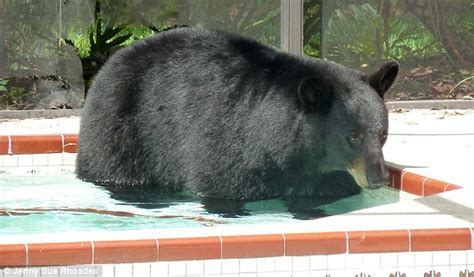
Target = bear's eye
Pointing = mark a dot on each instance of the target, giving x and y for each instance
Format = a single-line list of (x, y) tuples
[(355, 138)]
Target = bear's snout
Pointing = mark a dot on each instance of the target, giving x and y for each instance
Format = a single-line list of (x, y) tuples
[(372, 176)]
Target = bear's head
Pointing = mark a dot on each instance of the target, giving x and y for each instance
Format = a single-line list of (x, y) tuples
[(345, 109)]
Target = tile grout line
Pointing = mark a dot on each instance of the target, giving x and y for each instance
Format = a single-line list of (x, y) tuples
[(423, 186), (62, 142), (472, 237), (347, 241), (402, 175), (446, 187), (284, 244), (93, 252), (10, 152), (409, 240), (221, 240), (157, 249), (27, 258)]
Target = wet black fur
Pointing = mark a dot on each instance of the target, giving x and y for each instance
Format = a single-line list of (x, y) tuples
[(226, 117)]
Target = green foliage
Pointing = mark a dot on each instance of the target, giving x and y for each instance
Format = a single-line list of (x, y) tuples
[(13, 96), (352, 37), (312, 27), (3, 85), (104, 42)]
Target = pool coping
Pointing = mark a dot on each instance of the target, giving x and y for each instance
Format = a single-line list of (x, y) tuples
[(157, 247)]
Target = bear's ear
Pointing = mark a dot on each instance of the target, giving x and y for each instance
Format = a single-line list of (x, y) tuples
[(383, 79), (315, 95)]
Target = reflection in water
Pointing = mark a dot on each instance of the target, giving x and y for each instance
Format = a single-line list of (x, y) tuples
[(333, 187)]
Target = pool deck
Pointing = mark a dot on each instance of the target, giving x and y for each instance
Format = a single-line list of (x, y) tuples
[(434, 143)]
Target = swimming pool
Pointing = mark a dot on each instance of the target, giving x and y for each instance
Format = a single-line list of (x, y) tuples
[(58, 203), (409, 237)]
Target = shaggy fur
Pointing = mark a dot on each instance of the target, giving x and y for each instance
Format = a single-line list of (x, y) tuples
[(228, 117)]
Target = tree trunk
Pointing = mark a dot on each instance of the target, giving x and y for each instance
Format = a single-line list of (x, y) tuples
[(432, 14)]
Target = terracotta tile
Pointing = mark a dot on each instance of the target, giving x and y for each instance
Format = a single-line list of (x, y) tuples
[(440, 239), (70, 143), (433, 186), (252, 246), (413, 183), (175, 249), (472, 238), (37, 144), (315, 243), (12, 255), (126, 251), (3, 145), (378, 241), (451, 187), (68, 253), (395, 178)]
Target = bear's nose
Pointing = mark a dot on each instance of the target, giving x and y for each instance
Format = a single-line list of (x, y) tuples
[(380, 179)]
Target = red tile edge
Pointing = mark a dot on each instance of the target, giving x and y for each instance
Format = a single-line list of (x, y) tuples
[(441, 239), (38, 144), (417, 184), (224, 247)]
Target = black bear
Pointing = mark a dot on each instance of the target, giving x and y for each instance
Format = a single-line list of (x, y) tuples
[(227, 117)]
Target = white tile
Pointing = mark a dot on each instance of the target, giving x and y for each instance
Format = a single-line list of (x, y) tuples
[(388, 260), (408, 271), (248, 275), (212, 267), (195, 268), (160, 269), (283, 264), (457, 269), (457, 258), (10, 161), (266, 274), (470, 257), (107, 270), (337, 261), (423, 270), (319, 262), (423, 259), (301, 274), (265, 265), (248, 266), (123, 270), (69, 159), (338, 273), (141, 269), (301, 264), (443, 270), (25, 160), (282, 274), (55, 159), (406, 259), (371, 261), (441, 258), (40, 160), (354, 261), (359, 272), (176, 268), (318, 273), (230, 266), (386, 272)]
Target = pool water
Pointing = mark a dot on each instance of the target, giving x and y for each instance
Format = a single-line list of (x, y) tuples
[(48, 204)]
